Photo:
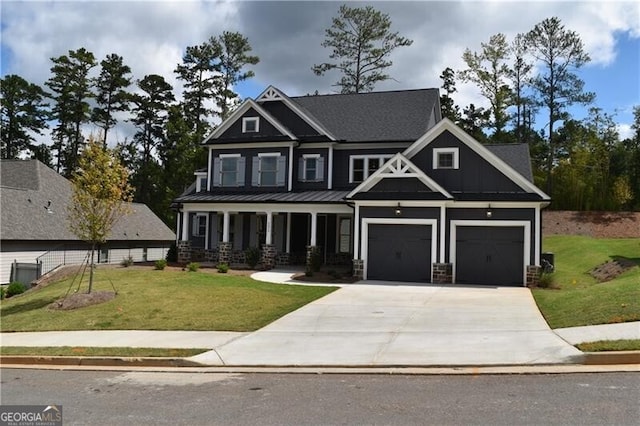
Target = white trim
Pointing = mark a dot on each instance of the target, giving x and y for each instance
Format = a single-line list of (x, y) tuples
[(446, 124), (397, 167), (246, 105), (392, 221), (252, 207), (436, 158), (371, 145), (199, 177), (234, 146), (210, 168), (383, 158), (316, 145), (229, 155), (330, 168), (247, 120), (290, 171), (525, 224), (537, 235), (305, 157), (356, 232), (443, 233), (288, 242), (272, 93), (269, 154), (339, 218)]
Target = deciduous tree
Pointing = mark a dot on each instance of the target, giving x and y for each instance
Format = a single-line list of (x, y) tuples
[(361, 41)]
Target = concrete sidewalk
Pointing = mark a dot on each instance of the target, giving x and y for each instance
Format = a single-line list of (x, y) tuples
[(374, 324)]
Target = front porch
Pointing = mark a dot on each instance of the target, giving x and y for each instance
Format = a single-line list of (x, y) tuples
[(283, 234)]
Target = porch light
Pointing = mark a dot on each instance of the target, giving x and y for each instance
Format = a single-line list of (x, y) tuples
[(398, 210), (489, 213)]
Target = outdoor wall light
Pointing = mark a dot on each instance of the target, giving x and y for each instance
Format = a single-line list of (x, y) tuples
[(398, 210), (489, 213)]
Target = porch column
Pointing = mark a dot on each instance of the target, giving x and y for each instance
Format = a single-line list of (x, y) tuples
[(314, 225), (225, 247), (185, 226), (268, 237), (225, 227), (288, 243)]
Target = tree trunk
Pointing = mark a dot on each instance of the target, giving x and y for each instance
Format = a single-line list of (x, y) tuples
[(93, 249)]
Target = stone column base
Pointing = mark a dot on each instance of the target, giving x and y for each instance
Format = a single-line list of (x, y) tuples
[(268, 257), (442, 273), (224, 252), (358, 268), (533, 275), (313, 263), (184, 251)]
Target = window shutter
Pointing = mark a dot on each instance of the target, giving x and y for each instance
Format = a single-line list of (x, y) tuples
[(216, 171), (240, 172), (282, 168), (255, 176), (301, 169), (320, 169)]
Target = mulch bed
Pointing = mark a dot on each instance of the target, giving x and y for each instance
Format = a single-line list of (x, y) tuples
[(325, 278), (80, 300)]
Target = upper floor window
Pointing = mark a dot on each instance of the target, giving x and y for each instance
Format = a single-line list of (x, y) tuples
[(228, 170), (250, 124), (311, 168), (268, 170), (445, 158), (363, 166)]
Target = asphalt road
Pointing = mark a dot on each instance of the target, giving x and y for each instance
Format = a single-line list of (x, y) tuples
[(137, 398)]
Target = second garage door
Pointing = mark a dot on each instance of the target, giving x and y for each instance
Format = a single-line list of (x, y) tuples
[(399, 253), (490, 255)]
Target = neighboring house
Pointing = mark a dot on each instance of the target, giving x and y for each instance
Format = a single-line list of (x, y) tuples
[(34, 227), (376, 180)]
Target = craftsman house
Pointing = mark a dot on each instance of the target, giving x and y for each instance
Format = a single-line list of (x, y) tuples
[(34, 228), (377, 180)]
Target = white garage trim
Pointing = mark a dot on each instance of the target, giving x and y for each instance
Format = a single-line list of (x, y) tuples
[(526, 227), (391, 221)]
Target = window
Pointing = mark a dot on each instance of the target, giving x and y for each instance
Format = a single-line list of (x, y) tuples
[(344, 235), (228, 171), (363, 166), (311, 168), (199, 225), (250, 124), (445, 158), (268, 169), (201, 184)]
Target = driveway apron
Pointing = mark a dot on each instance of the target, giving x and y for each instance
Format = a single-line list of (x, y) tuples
[(383, 324)]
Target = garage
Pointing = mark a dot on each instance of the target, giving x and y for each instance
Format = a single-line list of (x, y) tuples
[(489, 255), (399, 252)]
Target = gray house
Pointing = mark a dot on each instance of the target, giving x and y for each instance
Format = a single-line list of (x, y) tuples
[(377, 180), (34, 225)]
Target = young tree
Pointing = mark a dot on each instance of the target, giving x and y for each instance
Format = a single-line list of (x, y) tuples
[(362, 41), (234, 56), (100, 195), (71, 89), (488, 70), (24, 112), (111, 95), (560, 52)]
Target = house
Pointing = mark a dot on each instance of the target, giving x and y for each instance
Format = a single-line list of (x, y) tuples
[(34, 226), (379, 181)]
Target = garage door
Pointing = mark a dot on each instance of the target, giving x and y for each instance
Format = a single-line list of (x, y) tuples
[(489, 255), (399, 253)]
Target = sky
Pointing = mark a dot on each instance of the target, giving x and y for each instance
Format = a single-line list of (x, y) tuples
[(152, 37)]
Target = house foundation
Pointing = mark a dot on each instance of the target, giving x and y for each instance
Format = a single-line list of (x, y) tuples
[(442, 273), (184, 251), (268, 257), (358, 268), (225, 251), (533, 275)]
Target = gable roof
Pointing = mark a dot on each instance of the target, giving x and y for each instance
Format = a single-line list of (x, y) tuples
[(27, 186), (398, 167), (376, 116), (484, 152), (246, 105), (516, 155)]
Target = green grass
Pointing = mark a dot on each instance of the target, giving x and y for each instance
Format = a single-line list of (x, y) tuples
[(89, 351), (610, 345), (580, 299), (149, 299)]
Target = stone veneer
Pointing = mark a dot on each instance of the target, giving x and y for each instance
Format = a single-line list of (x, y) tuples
[(358, 268), (533, 275), (224, 252), (311, 251), (442, 273), (268, 258), (184, 251)]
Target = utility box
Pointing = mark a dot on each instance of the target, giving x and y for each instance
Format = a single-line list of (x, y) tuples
[(548, 262)]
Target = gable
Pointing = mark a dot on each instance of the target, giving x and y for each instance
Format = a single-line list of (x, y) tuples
[(298, 126), (394, 175), (479, 170)]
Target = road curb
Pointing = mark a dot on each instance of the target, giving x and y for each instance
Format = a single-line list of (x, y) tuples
[(613, 357), (97, 361)]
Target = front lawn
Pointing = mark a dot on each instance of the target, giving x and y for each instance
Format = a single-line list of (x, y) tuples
[(580, 299), (161, 300)]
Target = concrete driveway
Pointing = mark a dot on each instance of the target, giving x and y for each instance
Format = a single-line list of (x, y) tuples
[(381, 324)]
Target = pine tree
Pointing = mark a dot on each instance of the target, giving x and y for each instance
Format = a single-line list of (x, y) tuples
[(111, 94)]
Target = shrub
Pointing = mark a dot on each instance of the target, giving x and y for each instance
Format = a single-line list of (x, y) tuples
[(547, 280), (172, 253), (2, 292), (127, 261), (315, 261), (161, 264), (15, 288), (223, 267), (193, 266), (252, 256)]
